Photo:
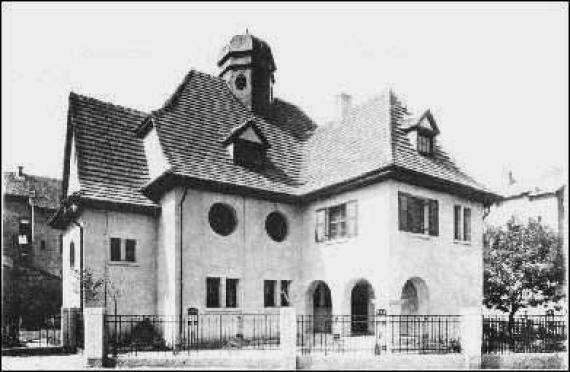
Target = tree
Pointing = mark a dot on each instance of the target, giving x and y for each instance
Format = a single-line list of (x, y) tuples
[(96, 289), (523, 266)]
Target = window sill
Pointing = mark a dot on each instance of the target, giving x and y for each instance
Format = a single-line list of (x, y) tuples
[(462, 242), (123, 263), (213, 310), (335, 241), (420, 236)]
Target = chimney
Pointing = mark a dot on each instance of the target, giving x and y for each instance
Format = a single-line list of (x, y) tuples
[(344, 105)]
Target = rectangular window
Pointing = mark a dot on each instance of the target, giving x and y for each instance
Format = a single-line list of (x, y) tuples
[(269, 292), (336, 222), (418, 215), (60, 244), (24, 232), (231, 292), (457, 222), (285, 301), (467, 224), (130, 246), (115, 249), (212, 292), (43, 245), (424, 144)]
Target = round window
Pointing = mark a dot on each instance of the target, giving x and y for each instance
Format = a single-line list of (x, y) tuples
[(241, 82), (222, 219), (276, 226)]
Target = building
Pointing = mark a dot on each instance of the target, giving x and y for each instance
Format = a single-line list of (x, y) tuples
[(228, 198), (541, 199), (31, 249)]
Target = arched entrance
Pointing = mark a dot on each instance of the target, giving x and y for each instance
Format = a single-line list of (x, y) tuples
[(414, 301), (320, 304), (414, 298), (362, 307)]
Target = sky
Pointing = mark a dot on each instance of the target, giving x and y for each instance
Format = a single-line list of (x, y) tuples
[(495, 75)]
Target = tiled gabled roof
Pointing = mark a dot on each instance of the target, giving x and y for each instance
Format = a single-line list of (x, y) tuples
[(111, 159), (45, 191), (202, 113)]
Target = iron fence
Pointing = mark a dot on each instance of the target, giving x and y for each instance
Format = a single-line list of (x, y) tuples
[(159, 333), (525, 334), (44, 333), (378, 334)]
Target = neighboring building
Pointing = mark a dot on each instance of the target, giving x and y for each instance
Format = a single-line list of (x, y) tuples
[(31, 249), (541, 199), (228, 198)]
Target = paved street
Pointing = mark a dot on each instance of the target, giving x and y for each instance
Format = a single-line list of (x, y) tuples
[(43, 362)]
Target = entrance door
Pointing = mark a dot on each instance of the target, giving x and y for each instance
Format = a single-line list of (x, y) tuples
[(360, 299)]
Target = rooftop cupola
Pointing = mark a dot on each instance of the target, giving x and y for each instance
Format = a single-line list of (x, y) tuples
[(247, 65)]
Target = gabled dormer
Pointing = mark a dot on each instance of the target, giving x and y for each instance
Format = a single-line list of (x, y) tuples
[(422, 131), (156, 160), (247, 146)]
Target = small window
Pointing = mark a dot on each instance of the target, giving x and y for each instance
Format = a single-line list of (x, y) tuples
[(43, 245), (130, 246), (467, 224), (115, 249), (462, 223), (269, 293), (72, 255), (24, 232), (418, 215), (231, 292), (336, 222), (285, 300), (276, 226), (60, 243), (241, 82), (457, 222), (212, 292), (222, 219), (425, 144)]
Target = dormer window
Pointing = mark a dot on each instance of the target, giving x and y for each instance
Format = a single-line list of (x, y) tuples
[(422, 131), (247, 146), (425, 144)]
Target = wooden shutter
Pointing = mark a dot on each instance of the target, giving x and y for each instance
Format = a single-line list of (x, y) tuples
[(403, 211), (433, 218), (352, 217), (320, 228), (457, 222), (467, 224)]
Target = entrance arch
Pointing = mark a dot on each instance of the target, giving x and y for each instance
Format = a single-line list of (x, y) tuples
[(319, 305), (414, 297), (362, 307)]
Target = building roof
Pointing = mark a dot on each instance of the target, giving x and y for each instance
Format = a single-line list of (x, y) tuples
[(193, 124), (111, 160), (44, 191)]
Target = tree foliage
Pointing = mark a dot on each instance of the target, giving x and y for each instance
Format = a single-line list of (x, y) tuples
[(523, 266)]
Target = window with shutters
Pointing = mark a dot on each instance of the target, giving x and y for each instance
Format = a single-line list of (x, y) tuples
[(336, 222), (212, 292), (462, 223), (418, 215), (130, 245)]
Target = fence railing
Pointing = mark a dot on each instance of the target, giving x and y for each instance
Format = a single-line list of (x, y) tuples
[(42, 333), (378, 334), (526, 334), (160, 333)]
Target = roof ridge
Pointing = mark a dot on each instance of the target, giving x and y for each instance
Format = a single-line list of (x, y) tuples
[(77, 96)]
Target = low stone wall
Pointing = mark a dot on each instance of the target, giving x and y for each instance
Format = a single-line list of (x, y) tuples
[(384, 362), (525, 361)]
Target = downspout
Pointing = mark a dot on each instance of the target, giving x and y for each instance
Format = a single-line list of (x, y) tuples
[(181, 257), (80, 225)]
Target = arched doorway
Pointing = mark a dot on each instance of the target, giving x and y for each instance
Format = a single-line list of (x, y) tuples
[(320, 303), (414, 301), (414, 298), (362, 307)]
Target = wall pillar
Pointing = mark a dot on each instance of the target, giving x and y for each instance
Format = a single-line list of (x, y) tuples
[(471, 329), (68, 328), (94, 352), (288, 336)]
